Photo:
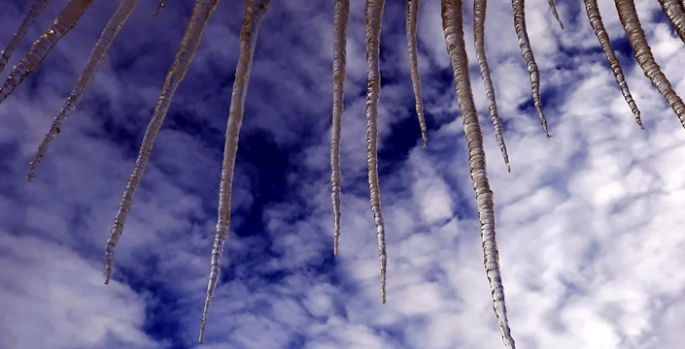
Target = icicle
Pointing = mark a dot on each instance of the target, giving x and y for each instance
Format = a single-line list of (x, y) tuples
[(374, 15), (340, 18), (555, 13), (159, 8), (412, 16), (186, 51), (454, 38), (675, 12), (479, 10), (644, 57), (524, 43), (86, 79), (598, 27), (34, 11), (254, 14), (65, 20)]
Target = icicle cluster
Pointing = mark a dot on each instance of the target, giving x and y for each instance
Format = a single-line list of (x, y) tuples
[(255, 11), (65, 20), (340, 18), (86, 79)]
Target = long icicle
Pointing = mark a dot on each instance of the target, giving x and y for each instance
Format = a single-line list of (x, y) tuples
[(524, 42), (255, 10), (643, 54), (555, 13), (454, 37), (86, 79), (340, 19), (374, 16), (66, 19), (184, 56), (479, 10), (412, 19), (675, 11), (598, 27), (34, 11)]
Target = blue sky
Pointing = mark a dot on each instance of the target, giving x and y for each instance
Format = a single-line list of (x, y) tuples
[(588, 221)]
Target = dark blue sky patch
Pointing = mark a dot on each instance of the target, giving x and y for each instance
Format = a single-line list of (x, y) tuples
[(163, 310)]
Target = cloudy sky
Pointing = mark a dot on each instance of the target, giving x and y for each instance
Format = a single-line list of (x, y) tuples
[(589, 222)]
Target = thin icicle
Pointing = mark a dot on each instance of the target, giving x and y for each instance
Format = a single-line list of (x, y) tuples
[(66, 19), (374, 16), (340, 18), (598, 27), (186, 51), (524, 43), (644, 57), (86, 79), (555, 13), (412, 19), (254, 14), (479, 10), (34, 11), (675, 11), (159, 8), (454, 38)]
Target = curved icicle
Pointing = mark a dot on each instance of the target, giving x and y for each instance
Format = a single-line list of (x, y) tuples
[(34, 11), (340, 19), (524, 42), (454, 37), (555, 13), (66, 19), (159, 8), (254, 14), (598, 27), (412, 19), (675, 11), (479, 10), (643, 54), (86, 79), (374, 16), (186, 51)]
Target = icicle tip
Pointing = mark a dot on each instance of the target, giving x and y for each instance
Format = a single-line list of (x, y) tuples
[(109, 257)]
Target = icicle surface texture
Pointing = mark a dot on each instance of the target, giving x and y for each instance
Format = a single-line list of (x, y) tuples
[(65, 20), (86, 79), (254, 14), (479, 10), (643, 54), (598, 27), (191, 40), (374, 15), (524, 43), (340, 19), (34, 11), (675, 12), (452, 24), (412, 19)]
